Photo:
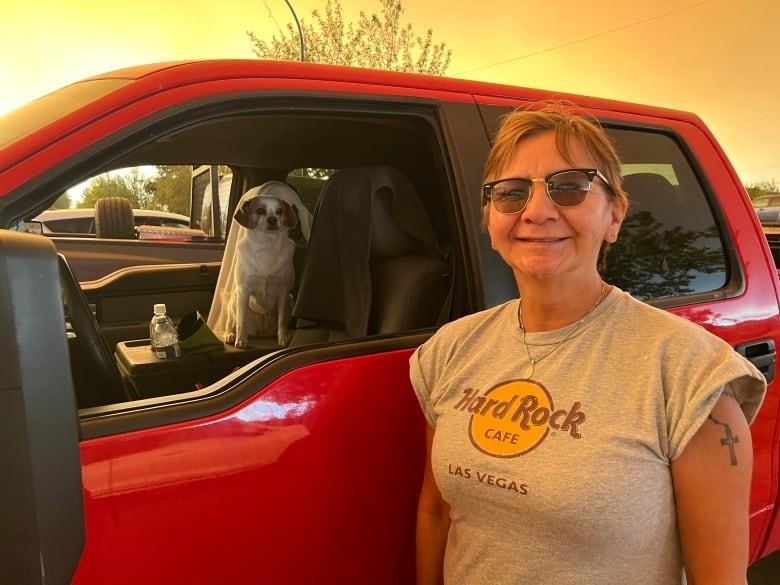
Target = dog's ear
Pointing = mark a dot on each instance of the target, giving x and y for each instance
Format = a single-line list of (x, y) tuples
[(290, 215), (245, 215)]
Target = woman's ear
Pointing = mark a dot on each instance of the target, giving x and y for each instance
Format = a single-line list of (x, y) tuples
[(619, 210)]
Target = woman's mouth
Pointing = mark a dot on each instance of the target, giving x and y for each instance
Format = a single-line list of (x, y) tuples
[(541, 240)]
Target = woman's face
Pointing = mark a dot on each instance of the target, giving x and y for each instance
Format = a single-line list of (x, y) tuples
[(545, 241)]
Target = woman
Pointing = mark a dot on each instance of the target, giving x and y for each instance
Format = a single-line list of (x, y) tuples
[(577, 435)]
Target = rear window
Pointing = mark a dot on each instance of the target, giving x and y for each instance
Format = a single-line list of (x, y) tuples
[(670, 245)]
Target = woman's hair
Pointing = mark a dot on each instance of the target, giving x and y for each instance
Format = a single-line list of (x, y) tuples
[(570, 127)]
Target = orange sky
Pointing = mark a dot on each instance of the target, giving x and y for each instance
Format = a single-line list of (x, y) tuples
[(717, 58)]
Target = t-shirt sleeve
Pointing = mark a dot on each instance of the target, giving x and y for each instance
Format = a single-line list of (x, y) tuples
[(420, 374), (698, 383)]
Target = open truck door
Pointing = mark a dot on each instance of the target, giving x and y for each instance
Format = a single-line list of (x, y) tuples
[(41, 503), (209, 199)]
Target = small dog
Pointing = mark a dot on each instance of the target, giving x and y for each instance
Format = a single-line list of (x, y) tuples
[(260, 302)]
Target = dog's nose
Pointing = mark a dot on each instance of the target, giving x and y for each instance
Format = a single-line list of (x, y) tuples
[(272, 220)]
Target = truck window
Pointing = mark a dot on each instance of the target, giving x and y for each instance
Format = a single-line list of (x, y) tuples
[(670, 245), (381, 208)]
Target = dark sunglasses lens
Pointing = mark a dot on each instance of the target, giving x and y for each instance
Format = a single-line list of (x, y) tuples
[(511, 196), (568, 188)]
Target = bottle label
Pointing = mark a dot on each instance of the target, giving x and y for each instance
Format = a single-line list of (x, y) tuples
[(169, 352)]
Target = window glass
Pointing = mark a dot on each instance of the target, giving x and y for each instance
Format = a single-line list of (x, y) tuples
[(309, 182), (669, 244), (666, 170), (377, 225), (157, 196), (210, 188)]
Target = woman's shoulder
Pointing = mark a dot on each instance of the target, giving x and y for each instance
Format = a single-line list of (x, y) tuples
[(480, 319), (655, 322), (473, 325)]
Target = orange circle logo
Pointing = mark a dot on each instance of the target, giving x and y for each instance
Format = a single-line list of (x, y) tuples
[(511, 419)]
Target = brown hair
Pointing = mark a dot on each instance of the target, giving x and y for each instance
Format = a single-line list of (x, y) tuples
[(570, 127)]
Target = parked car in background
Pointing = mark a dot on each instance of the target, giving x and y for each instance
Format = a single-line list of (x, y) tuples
[(768, 208), (76, 222)]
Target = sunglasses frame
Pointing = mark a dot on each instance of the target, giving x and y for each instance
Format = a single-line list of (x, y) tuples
[(591, 174)]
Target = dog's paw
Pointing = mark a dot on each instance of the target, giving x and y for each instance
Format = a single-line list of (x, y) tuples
[(241, 343), (230, 338), (283, 340)]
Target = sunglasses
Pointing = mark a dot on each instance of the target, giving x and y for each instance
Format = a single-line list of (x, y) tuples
[(564, 188)]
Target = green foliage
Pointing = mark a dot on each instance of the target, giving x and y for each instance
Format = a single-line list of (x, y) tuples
[(378, 41), (106, 186), (760, 188), (169, 189)]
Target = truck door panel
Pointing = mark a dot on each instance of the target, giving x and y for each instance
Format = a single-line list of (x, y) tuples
[(311, 478)]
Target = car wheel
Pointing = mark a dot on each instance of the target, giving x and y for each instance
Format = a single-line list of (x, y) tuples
[(114, 218)]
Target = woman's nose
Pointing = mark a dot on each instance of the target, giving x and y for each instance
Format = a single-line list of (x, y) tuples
[(539, 207)]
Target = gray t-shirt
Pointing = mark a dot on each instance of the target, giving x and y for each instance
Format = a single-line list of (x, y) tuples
[(565, 477)]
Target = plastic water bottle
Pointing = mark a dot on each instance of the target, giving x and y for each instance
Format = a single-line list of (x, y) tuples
[(163, 336)]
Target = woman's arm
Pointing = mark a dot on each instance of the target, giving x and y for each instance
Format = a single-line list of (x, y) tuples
[(433, 524), (712, 489)]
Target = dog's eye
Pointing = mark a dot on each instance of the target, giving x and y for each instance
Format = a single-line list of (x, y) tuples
[(261, 211)]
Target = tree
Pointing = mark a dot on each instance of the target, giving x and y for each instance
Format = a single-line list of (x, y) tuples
[(169, 189), (759, 188), (377, 41), (106, 185), (653, 262)]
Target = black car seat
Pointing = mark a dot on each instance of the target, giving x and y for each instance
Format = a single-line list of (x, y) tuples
[(654, 194), (373, 265)]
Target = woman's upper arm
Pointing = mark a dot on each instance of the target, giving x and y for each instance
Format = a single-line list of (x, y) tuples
[(430, 497), (712, 490)]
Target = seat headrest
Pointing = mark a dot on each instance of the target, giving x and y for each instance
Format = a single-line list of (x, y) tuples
[(646, 189)]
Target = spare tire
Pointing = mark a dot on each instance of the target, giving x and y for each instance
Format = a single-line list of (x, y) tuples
[(114, 219)]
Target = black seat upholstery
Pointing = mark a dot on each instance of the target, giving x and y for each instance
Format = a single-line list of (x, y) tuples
[(373, 265), (654, 194)]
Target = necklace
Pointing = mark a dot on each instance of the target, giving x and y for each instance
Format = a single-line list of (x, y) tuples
[(530, 371)]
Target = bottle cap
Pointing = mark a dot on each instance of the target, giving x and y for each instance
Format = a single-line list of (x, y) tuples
[(159, 309)]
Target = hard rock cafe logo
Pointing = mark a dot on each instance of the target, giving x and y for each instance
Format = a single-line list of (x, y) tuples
[(514, 417)]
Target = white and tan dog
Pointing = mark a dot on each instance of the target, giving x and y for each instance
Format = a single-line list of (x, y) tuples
[(263, 273)]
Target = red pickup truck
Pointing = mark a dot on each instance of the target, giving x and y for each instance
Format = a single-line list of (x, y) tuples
[(300, 464)]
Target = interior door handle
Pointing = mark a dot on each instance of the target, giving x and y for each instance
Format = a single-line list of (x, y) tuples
[(763, 355)]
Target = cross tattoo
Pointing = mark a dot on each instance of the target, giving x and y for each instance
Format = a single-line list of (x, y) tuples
[(730, 439)]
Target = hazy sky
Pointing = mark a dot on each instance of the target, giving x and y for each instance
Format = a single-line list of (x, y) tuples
[(717, 58)]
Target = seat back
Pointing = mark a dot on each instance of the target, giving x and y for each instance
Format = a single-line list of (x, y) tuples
[(654, 194), (373, 265), (408, 286)]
